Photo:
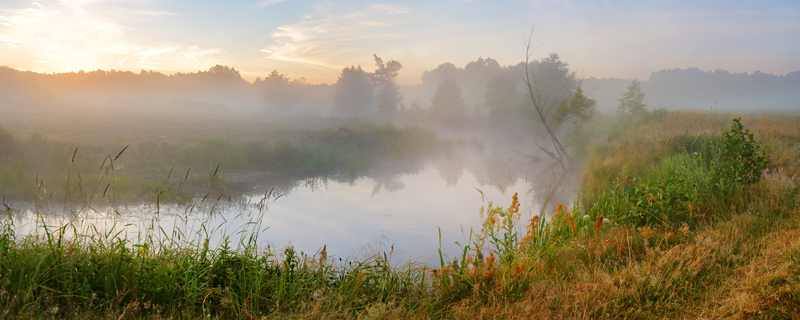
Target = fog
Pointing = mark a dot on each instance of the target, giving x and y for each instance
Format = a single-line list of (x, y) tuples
[(486, 125), (483, 104), (223, 88)]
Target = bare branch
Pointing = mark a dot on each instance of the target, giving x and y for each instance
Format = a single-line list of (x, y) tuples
[(541, 111)]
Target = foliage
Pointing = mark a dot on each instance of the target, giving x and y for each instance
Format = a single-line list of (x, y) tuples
[(574, 112), (354, 96), (61, 275), (743, 158), (447, 105), (557, 103), (281, 93), (632, 101), (389, 97), (40, 163), (572, 263), (502, 98), (705, 169)]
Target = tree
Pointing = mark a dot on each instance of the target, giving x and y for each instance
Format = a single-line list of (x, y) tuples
[(557, 103), (220, 75), (353, 96), (280, 93), (575, 113), (502, 99), (389, 96), (447, 105), (632, 101)]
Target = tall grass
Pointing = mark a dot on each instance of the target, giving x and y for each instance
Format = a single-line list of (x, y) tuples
[(66, 168), (704, 249)]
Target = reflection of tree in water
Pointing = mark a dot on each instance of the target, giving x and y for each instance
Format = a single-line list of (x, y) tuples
[(501, 166), (552, 188), (315, 183), (387, 176), (496, 166), (388, 183), (450, 167)]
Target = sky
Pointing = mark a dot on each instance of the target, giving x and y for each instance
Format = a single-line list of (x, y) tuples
[(316, 39)]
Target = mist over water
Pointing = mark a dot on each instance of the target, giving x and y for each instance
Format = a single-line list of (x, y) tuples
[(381, 210), (338, 162)]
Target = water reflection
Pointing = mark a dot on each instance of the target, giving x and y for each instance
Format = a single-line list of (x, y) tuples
[(348, 215), (404, 204)]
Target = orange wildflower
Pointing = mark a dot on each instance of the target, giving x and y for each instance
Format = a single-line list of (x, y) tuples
[(598, 223), (531, 232), (559, 208), (514, 208), (490, 260)]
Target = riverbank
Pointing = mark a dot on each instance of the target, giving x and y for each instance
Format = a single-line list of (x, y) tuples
[(38, 168), (652, 237)]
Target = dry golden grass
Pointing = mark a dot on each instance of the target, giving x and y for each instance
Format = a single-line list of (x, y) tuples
[(745, 266), (639, 148)]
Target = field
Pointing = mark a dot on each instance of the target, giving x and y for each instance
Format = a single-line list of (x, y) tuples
[(687, 215)]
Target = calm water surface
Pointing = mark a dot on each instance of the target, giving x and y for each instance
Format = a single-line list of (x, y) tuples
[(350, 217)]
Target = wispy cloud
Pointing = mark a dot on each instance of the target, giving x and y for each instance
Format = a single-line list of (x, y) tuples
[(332, 34), (71, 35), (166, 57), (266, 3)]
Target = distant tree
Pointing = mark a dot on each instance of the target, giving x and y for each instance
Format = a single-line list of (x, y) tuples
[(281, 93), (552, 78), (389, 97), (632, 101), (223, 70), (441, 72), (276, 78), (416, 105), (353, 93), (447, 105), (482, 68), (222, 74), (502, 99), (475, 78)]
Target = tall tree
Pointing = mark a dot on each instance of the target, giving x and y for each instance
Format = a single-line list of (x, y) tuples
[(281, 93), (389, 97), (353, 93), (632, 101), (556, 103), (447, 105), (502, 99)]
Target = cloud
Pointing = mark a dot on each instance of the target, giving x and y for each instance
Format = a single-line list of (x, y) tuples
[(167, 56), (72, 35), (334, 33), (266, 3)]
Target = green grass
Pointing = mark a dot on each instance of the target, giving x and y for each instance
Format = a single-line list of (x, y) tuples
[(34, 165), (734, 252)]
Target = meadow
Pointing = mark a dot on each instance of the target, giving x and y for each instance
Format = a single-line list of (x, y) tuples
[(687, 215)]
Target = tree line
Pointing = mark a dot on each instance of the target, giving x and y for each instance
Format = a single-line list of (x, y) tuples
[(447, 92)]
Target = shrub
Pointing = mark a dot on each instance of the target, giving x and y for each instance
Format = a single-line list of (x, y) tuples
[(743, 158), (705, 169)]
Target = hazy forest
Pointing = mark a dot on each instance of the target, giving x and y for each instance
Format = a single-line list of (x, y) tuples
[(484, 191)]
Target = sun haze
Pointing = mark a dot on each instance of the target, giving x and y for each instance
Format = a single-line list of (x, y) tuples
[(316, 39)]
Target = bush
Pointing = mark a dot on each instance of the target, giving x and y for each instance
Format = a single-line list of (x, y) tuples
[(707, 169), (743, 158)]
